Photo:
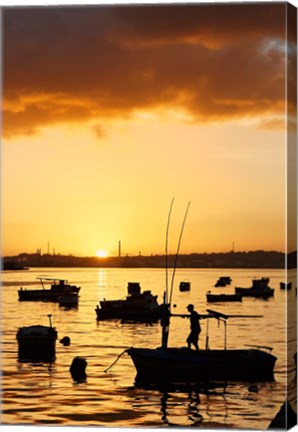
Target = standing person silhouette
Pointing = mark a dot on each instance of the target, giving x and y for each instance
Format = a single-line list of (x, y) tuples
[(195, 328)]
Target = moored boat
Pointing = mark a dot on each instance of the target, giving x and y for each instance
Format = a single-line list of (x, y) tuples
[(285, 286), (37, 342), (164, 365), (222, 281), (137, 306), (182, 365), (59, 287), (184, 286), (259, 289), (12, 265), (223, 297)]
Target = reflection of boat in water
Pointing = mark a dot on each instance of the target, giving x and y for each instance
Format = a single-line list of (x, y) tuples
[(137, 306), (223, 281), (37, 342), (188, 405), (68, 300), (259, 289), (59, 287), (184, 286), (169, 403), (165, 365), (223, 297)]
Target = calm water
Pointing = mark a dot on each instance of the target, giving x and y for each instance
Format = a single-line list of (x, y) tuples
[(43, 394)]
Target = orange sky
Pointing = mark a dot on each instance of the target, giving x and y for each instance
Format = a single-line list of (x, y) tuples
[(109, 112)]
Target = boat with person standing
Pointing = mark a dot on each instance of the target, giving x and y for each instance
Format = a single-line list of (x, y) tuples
[(165, 365)]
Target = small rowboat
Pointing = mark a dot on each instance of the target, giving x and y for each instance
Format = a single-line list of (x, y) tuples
[(212, 298), (223, 281), (184, 286)]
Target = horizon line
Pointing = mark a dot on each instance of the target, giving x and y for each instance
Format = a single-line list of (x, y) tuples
[(127, 255)]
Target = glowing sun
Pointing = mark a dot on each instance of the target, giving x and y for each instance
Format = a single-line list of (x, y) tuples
[(101, 253)]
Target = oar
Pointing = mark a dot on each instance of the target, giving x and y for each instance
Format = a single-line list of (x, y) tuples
[(221, 315), (217, 315), (202, 316)]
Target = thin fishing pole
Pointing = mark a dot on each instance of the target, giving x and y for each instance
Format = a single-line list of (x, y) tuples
[(166, 248), (177, 253)]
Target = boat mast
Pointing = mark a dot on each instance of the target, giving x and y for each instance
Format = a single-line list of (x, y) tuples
[(177, 253), (166, 249), (165, 320)]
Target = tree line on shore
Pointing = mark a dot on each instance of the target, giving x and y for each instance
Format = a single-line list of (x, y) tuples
[(249, 259)]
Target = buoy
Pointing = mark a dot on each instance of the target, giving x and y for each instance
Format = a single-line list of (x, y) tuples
[(253, 388), (65, 341), (78, 369)]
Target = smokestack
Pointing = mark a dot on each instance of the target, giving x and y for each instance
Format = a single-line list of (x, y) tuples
[(119, 249)]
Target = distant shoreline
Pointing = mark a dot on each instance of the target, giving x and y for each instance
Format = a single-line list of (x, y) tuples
[(252, 259)]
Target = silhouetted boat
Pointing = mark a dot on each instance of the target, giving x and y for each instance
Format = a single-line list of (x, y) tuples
[(259, 289), (12, 265), (59, 287), (285, 286), (176, 365), (223, 297), (137, 306), (37, 342), (164, 365), (223, 281), (184, 286)]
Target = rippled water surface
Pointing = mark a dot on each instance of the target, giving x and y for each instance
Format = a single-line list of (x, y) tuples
[(45, 394)]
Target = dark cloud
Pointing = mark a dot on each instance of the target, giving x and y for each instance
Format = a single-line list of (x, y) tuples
[(79, 63)]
